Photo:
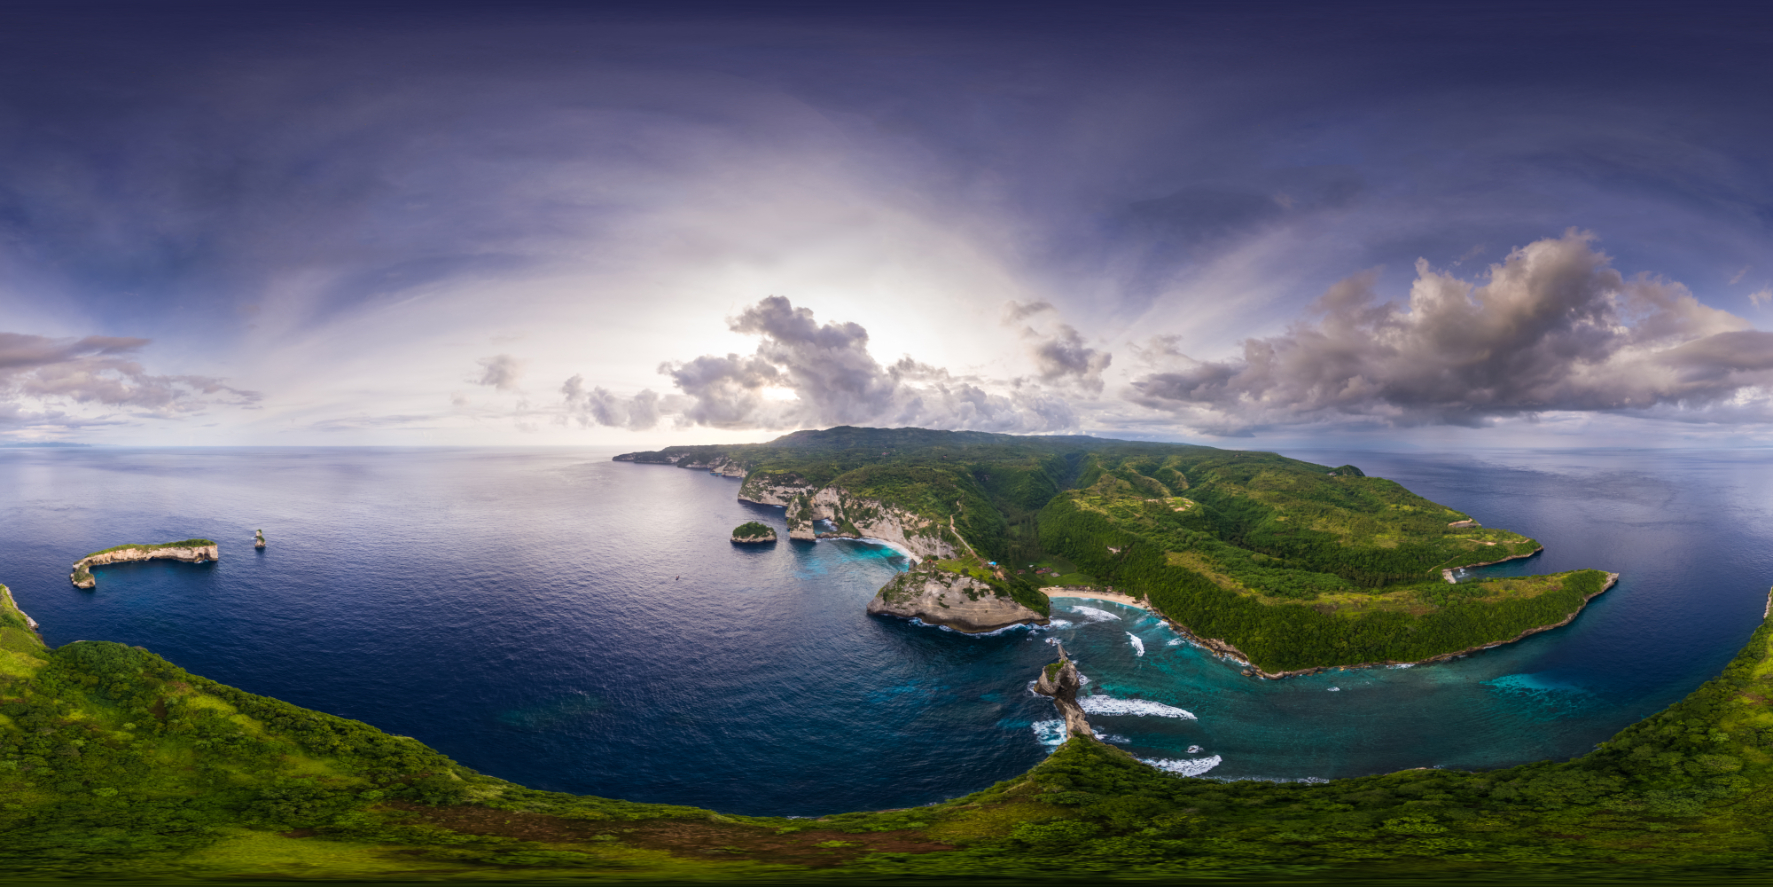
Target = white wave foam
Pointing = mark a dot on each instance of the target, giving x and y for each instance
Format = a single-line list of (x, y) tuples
[(1194, 749), (1058, 623), (1140, 708), (1094, 615), (1138, 645), (1335, 689), (1185, 766), (1173, 642), (1052, 734)]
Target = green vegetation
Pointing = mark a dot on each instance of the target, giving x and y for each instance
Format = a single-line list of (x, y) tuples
[(114, 762), (1295, 565), (183, 543), (752, 531)]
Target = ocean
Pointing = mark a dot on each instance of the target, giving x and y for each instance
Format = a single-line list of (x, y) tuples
[(571, 623)]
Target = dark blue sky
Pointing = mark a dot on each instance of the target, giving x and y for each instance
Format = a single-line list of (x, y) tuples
[(413, 223)]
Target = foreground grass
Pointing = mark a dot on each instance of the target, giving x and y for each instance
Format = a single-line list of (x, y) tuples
[(115, 763)]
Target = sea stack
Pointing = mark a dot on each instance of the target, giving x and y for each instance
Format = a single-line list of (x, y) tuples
[(1060, 681), (258, 540)]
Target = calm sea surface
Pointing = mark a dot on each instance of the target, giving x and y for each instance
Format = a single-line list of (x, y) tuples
[(571, 623)]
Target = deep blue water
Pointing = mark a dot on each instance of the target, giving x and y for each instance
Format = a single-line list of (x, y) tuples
[(571, 623)]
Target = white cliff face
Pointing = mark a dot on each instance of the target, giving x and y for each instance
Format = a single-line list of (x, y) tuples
[(876, 520), (960, 602), (197, 554), (771, 491), (871, 518)]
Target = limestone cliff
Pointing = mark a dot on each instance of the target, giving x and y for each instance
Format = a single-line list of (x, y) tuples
[(194, 551), (940, 597), (1061, 681)]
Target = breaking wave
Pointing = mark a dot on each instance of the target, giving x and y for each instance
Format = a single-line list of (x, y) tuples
[(1138, 645), (1141, 708), (1185, 766), (1094, 615)]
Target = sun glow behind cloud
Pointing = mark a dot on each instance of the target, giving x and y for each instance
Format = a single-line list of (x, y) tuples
[(421, 234)]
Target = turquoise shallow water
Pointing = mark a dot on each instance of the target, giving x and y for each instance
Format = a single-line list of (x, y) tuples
[(572, 623)]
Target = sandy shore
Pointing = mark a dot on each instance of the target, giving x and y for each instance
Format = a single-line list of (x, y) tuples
[(1095, 595)]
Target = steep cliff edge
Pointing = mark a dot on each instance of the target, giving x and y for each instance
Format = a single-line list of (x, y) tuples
[(1060, 681), (941, 597), (194, 551), (854, 516)]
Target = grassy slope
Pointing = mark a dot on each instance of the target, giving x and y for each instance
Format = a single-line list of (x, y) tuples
[(113, 761)]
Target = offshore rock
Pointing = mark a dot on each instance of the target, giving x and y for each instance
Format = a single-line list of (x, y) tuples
[(940, 597), (82, 575), (1060, 681)]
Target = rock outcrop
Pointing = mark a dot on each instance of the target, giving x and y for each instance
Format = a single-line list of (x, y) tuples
[(1061, 682), (258, 539), (800, 519), (941, 597), (753, 533), (854, 516), (194, 551)]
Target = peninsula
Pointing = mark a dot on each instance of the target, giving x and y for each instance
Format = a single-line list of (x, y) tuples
[(194, 551), (1284, 565)]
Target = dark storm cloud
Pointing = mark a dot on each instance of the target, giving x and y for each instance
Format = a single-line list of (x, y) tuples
[(102, 371), (810, 374), (1554, 327)]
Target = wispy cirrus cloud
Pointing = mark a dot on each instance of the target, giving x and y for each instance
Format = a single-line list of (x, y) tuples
[(103, 373)]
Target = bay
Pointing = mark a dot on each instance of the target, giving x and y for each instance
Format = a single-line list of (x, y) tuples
[(571, 623)]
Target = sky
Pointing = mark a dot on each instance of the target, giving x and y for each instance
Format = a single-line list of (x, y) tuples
[(1245, 224)]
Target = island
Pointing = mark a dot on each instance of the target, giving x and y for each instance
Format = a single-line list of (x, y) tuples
[(258, 538), (753, 532), (194, 551), (1281, 566)]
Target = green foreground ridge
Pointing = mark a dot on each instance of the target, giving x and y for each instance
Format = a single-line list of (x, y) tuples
[(1281, 564), (116, 763)]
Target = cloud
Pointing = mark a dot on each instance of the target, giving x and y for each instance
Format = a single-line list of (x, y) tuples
[(500, 371), (806, 374), (1737, 277), (1553, 328), (600, 407), (1761, 296), (1061, 356), (102, 371)]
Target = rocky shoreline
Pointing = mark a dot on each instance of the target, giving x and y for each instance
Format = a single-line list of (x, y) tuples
[(195, 551), (1447, 574)]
